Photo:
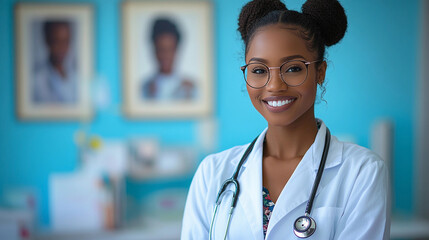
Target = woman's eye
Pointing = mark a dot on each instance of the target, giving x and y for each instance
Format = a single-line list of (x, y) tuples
[(259, 71), (293, 69)]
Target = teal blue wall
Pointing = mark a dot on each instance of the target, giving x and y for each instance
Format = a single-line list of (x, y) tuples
[(372, 74)]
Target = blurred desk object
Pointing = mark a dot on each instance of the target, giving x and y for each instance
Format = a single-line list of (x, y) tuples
[(146, 183), (148, 160), (16, 224), (409, 229), (165, 232)]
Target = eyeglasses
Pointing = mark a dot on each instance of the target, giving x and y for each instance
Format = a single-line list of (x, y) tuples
[(293, 73)]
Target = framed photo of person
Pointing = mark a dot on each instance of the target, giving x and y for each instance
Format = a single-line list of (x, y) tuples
[(167, 59), (54, 61)]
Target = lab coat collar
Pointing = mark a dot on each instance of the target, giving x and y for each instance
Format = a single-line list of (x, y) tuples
[(257, 148), (293, 194), (334, 153), (250, 179)]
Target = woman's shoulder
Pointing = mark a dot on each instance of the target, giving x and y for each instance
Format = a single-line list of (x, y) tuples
[(359, 153), (217, 167), (225, 157), (361, 159)]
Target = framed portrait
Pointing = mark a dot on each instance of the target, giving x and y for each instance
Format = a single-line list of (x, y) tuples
[(167, 59), (53, 60)]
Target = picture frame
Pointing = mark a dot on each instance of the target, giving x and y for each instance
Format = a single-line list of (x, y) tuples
[(54, 62), (167, 59)]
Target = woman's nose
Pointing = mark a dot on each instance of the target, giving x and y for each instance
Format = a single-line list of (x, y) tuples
[(275, 83)]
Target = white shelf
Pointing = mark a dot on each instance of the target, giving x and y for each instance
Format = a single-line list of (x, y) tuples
[(164, 232)]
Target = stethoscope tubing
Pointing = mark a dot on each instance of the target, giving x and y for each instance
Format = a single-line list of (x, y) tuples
[(233, 180), (319, 172)]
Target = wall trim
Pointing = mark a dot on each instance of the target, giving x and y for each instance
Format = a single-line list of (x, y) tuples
[(422, 130)]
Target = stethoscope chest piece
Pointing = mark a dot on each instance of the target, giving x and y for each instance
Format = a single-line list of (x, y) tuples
[(304, 226)]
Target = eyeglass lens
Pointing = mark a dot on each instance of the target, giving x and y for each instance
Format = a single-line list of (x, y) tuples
[(293, 73)]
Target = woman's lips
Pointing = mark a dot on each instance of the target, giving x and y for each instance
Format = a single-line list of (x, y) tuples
[(278, 104)]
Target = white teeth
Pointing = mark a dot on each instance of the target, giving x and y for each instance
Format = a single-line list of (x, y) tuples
[(279, 103)]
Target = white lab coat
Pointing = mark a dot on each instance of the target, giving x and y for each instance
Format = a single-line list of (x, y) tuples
[(352, 201)]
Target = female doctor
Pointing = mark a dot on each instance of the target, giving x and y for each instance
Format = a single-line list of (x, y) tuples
[(294, 181)]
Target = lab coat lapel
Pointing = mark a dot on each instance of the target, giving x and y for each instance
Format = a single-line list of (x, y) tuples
[(250, 197), (294, 194), (298, 189)]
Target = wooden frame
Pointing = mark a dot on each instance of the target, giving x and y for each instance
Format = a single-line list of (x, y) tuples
[(54, 61), (156, 86)]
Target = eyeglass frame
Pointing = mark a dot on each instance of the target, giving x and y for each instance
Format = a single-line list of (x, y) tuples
[(306, 63)]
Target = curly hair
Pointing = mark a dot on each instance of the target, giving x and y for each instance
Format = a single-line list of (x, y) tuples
[(322, 22)]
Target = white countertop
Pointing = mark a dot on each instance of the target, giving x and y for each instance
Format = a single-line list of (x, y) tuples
[(400, 228)]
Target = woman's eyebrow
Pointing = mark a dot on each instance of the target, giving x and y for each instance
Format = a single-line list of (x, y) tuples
[(288, 58), (285, 59), (258, 60)]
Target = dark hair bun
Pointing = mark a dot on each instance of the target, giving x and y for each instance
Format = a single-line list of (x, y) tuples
[(331, 17), (255, 10)]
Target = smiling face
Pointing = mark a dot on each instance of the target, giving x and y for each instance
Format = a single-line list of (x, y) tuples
[(278, 103)]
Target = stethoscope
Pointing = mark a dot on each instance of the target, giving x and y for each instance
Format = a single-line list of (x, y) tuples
[(303, 226)]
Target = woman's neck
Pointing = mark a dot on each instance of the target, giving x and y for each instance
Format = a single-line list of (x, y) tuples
[(292, 141)]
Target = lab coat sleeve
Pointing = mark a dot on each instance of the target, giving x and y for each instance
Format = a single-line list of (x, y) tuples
[(367, 213), (195, 223)]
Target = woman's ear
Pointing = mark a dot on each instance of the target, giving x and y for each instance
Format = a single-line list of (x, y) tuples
[(321, 71)]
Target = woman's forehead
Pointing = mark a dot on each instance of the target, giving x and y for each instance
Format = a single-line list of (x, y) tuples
[(274, 42)]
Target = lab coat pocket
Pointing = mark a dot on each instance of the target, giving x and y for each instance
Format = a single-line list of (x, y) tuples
[(326, 221)]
